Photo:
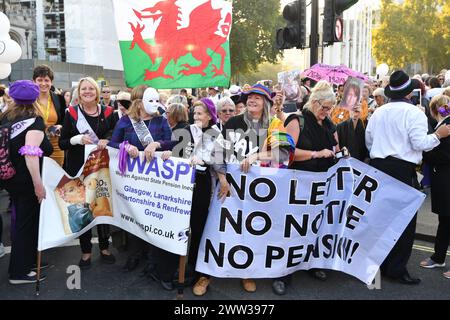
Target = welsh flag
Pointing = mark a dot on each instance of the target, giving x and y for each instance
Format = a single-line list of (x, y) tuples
[(174, 43)]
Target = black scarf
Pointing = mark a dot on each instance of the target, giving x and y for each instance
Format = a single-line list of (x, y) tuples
[(321, 135)]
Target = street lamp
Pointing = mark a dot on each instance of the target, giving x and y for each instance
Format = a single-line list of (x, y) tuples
[(27, 32)]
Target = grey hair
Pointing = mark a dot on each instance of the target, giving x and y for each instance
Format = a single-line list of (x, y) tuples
[(74, 96), (322, 91), (225, 101), (264, 121), (177, 99), (379, 92), (446, 83)]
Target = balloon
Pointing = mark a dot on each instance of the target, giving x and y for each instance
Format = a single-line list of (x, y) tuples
[(4, 24), (5, 70), (11, 51), (382, 69)]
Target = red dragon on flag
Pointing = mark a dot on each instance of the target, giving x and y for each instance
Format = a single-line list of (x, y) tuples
[(207, 31)]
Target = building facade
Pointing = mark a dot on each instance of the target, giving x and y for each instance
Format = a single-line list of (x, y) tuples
[(355, 51), (22, 15)]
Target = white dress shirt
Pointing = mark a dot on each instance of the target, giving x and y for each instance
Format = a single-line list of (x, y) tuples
[(399, 129)]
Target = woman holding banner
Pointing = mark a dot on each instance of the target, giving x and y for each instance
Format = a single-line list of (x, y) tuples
[(143, 129), (246, 134), (87, 123), (316, 142), (203, 144)]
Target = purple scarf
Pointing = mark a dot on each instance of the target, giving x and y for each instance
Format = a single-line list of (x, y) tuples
[(123, 153)]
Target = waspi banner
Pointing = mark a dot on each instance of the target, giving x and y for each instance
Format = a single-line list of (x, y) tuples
[(152, 200), (279, 221)]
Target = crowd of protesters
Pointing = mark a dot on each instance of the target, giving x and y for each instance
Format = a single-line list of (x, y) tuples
[(383, 124)]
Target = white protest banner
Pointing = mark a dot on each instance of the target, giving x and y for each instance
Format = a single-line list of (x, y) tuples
[(152, 200), (278, 221)]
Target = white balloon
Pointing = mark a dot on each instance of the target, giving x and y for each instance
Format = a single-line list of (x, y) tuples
[(4, 24), (5, 70), (11, 51), (382, 69)]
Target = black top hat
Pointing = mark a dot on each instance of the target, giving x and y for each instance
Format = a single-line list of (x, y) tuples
[(400, 85), (237, 98)]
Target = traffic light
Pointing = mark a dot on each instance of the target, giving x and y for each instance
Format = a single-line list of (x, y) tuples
[(294, 34), (333, 21)]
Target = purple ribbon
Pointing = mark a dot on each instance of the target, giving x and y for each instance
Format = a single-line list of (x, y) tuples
[(123, 153)]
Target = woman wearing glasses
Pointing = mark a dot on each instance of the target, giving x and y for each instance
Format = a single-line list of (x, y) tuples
[(316, 142), (225, 110)]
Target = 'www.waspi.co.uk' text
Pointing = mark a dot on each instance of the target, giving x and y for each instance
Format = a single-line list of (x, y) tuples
[(149, 229)]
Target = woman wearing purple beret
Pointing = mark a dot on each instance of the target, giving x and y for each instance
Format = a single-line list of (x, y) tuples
[(201, 144), (21, 177)]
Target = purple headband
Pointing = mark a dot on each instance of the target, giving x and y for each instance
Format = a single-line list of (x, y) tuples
[(211, 109)]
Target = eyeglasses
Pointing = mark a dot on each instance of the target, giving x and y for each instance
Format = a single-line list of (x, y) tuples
[(227, 110), (106, 91), (324, 108)]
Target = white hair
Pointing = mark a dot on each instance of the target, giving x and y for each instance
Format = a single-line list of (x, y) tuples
[(224, 102), (379, 92)]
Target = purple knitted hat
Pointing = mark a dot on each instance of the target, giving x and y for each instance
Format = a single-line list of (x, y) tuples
[(211, 109), (24, 91)]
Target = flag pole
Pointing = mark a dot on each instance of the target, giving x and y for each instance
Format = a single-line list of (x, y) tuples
[(181, 274), (38, 271)]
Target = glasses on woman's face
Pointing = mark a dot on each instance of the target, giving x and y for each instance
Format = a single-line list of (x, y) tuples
[(227, 110), (325, 108)]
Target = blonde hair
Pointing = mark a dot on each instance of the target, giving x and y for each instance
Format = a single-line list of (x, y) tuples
[(446, 92), (438, 101), (92, 82), (177, 112), (134, 111), (138, 92), (163, 99), (321, 91), (15, 111)]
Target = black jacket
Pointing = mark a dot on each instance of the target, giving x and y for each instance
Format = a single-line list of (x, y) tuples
[(439, 161), (314, 137), (60, 106), (353, 138), (243, 141), (102, 126)]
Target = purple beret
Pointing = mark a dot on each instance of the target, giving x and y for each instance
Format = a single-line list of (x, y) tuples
[(211, 108), (24, 91)]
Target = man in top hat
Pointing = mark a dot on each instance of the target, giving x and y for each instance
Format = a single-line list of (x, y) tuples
[(396, 136)]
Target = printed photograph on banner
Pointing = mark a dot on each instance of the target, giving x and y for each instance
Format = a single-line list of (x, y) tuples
[(82, 199), (352, 93), (98, 183)]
